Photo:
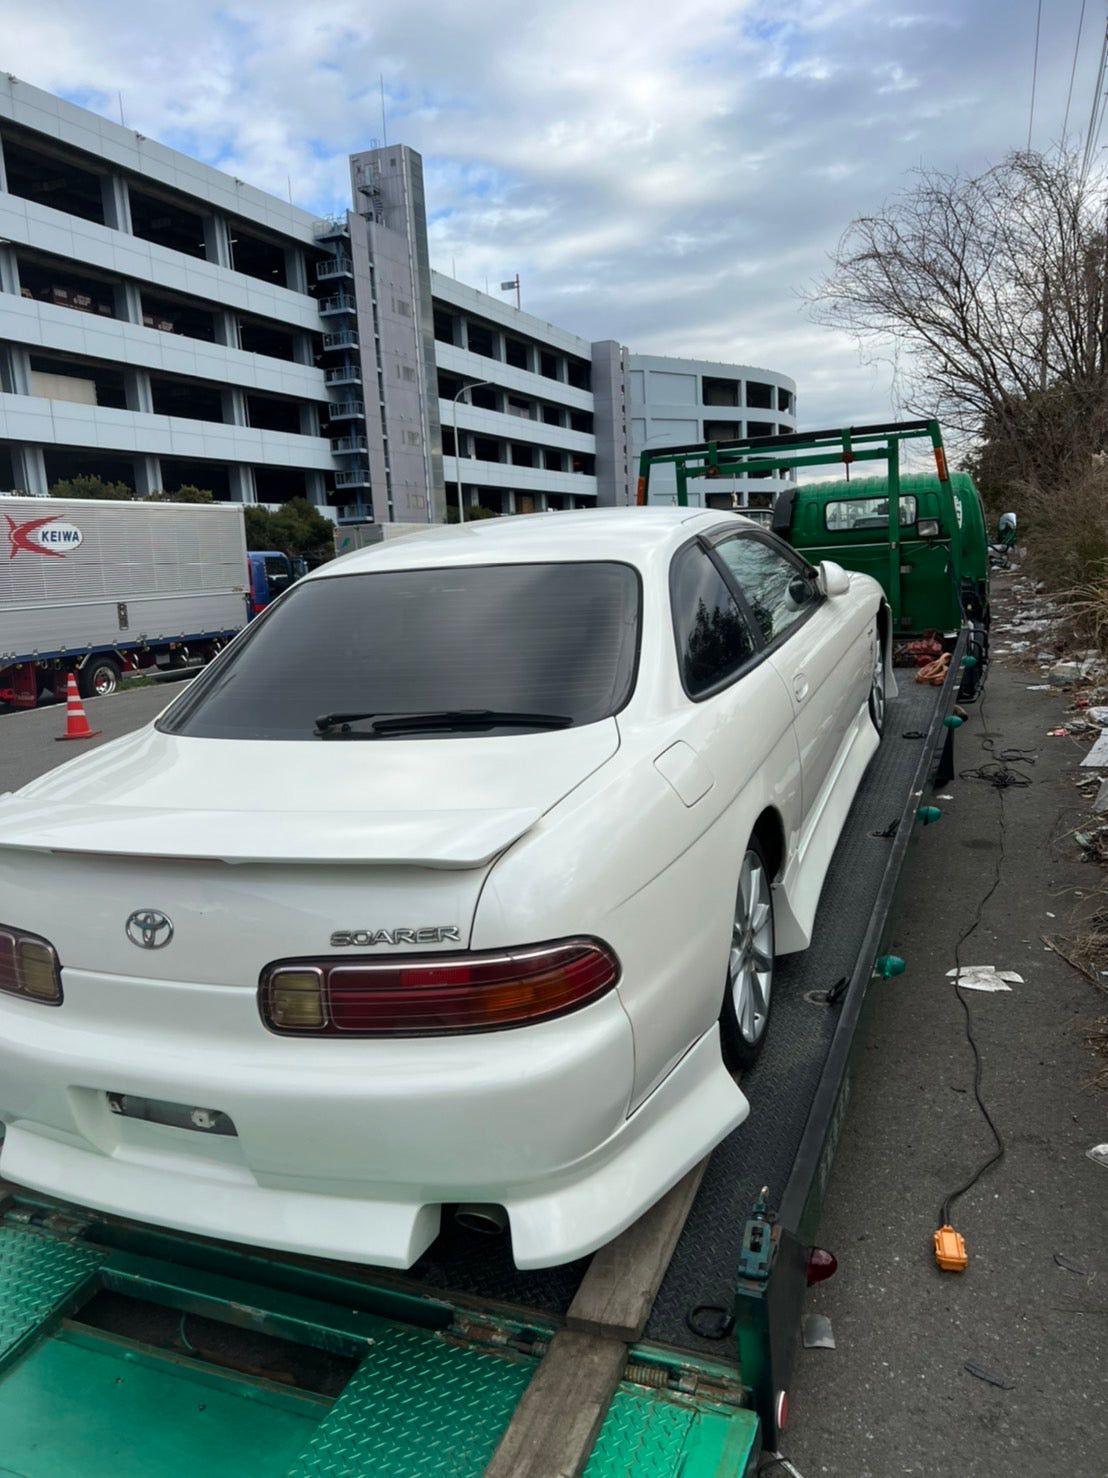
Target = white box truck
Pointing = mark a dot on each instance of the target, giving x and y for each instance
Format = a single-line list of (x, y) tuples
[(104, 588)]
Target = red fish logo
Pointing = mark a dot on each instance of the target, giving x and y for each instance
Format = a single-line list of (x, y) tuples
[(20, 537)]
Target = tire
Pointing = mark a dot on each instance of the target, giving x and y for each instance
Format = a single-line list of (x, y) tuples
[(98, 677), (877, 704), (749, 990)]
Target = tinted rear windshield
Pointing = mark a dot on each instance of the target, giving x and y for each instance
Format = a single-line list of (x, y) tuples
[(557, 639)]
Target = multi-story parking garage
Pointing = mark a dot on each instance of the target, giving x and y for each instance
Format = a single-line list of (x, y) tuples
[(686, 400), (163, 324)]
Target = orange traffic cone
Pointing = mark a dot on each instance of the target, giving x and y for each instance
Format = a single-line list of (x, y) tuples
[(76, 724)]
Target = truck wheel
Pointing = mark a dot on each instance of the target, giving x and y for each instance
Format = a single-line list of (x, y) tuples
[(746, 1002), (877, 684), (98, 677)]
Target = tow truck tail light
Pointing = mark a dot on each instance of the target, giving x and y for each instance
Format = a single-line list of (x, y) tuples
[(29, 967), (821, 1264), (436, 995)]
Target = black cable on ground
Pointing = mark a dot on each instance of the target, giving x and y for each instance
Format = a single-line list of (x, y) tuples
[(997, 774), (998, 1153)]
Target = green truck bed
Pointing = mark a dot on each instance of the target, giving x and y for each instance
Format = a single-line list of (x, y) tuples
[(269, 1369)]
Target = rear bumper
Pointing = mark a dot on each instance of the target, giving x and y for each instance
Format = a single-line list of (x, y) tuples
[(347, 1148), (555, 1218)]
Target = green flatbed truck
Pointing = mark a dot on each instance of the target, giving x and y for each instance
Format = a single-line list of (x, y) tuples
[(135, 1352), (921, 535)]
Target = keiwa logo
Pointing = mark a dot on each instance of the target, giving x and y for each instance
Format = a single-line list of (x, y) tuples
[(50, 536)]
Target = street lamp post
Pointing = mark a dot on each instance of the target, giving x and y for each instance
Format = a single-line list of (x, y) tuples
[(476, 385)]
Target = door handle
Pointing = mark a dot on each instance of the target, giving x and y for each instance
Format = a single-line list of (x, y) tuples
[(800, 687)]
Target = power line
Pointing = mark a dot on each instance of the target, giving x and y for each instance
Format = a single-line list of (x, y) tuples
[(1098, 91), (1034, 73), (1073, 71)]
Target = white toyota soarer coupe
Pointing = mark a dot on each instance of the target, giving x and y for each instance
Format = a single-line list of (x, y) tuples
[(456, 880)]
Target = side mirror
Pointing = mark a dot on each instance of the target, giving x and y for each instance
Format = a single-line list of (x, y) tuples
[(832, 579), (800, 592)]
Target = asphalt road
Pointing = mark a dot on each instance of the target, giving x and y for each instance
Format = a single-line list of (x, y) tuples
[(895, 1397), (30, 739)]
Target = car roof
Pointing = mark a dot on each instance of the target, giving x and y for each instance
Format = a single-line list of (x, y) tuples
[(628, 534)]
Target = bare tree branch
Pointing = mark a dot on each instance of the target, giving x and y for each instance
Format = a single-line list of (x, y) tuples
[(989, 296)]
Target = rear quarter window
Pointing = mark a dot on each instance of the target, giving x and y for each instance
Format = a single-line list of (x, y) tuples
[(712, 636)]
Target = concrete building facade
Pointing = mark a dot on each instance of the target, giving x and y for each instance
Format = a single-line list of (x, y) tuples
[(163, 324), (674, 401)]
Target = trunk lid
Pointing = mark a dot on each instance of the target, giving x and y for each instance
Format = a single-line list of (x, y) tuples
[(257, 851)]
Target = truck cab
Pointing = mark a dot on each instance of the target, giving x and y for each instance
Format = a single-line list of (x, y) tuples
[(931, 561), (921, 535), (271, 573)]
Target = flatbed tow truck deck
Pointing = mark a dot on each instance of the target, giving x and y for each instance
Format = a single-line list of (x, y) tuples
[(139, 1353)]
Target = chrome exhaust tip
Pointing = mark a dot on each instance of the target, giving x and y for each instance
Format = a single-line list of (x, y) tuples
[(485, 1217)]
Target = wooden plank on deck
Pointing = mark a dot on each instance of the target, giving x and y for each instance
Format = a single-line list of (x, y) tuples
[(622, 1281), (553, 1429)]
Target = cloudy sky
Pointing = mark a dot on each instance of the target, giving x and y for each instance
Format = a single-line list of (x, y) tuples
[(672, 175)]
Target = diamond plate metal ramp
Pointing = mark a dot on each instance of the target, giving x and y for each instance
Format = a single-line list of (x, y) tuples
[(655, 1437), (782, 1083), (39, 1276), (417, 1404)]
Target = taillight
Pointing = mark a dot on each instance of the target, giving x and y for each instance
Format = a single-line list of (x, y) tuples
[(435, 995), (821, 1264), (29, 967)]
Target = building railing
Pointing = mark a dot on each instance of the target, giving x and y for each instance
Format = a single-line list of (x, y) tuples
[(339, 304), (343, 374), (343, 338), (352, 477), (349, 444), (339, 266), (348, 410)]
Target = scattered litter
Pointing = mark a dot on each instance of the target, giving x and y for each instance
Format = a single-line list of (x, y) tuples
[(1098, 1155), (1038, 687), (1100, 802), (816, 1332), (985, 977), (946, 797), (994, 1378), (1050, 915), (1097, 756), (1099, 715), (1060, 733), (1064, 1262), (777, 1461), (1093, 841)]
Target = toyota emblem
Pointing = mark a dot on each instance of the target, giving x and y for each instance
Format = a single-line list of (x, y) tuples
[(149, 929)]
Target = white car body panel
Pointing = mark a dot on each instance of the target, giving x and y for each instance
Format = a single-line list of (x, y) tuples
[(629, 830), (351, 803)]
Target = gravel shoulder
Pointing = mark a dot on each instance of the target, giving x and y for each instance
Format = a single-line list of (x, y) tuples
[(894, 1396)]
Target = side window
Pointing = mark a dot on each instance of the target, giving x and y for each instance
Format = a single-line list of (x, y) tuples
[(277, 576), (778, 592), (713, 640)]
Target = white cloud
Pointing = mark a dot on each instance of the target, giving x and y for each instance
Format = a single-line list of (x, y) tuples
[(667, 175)]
